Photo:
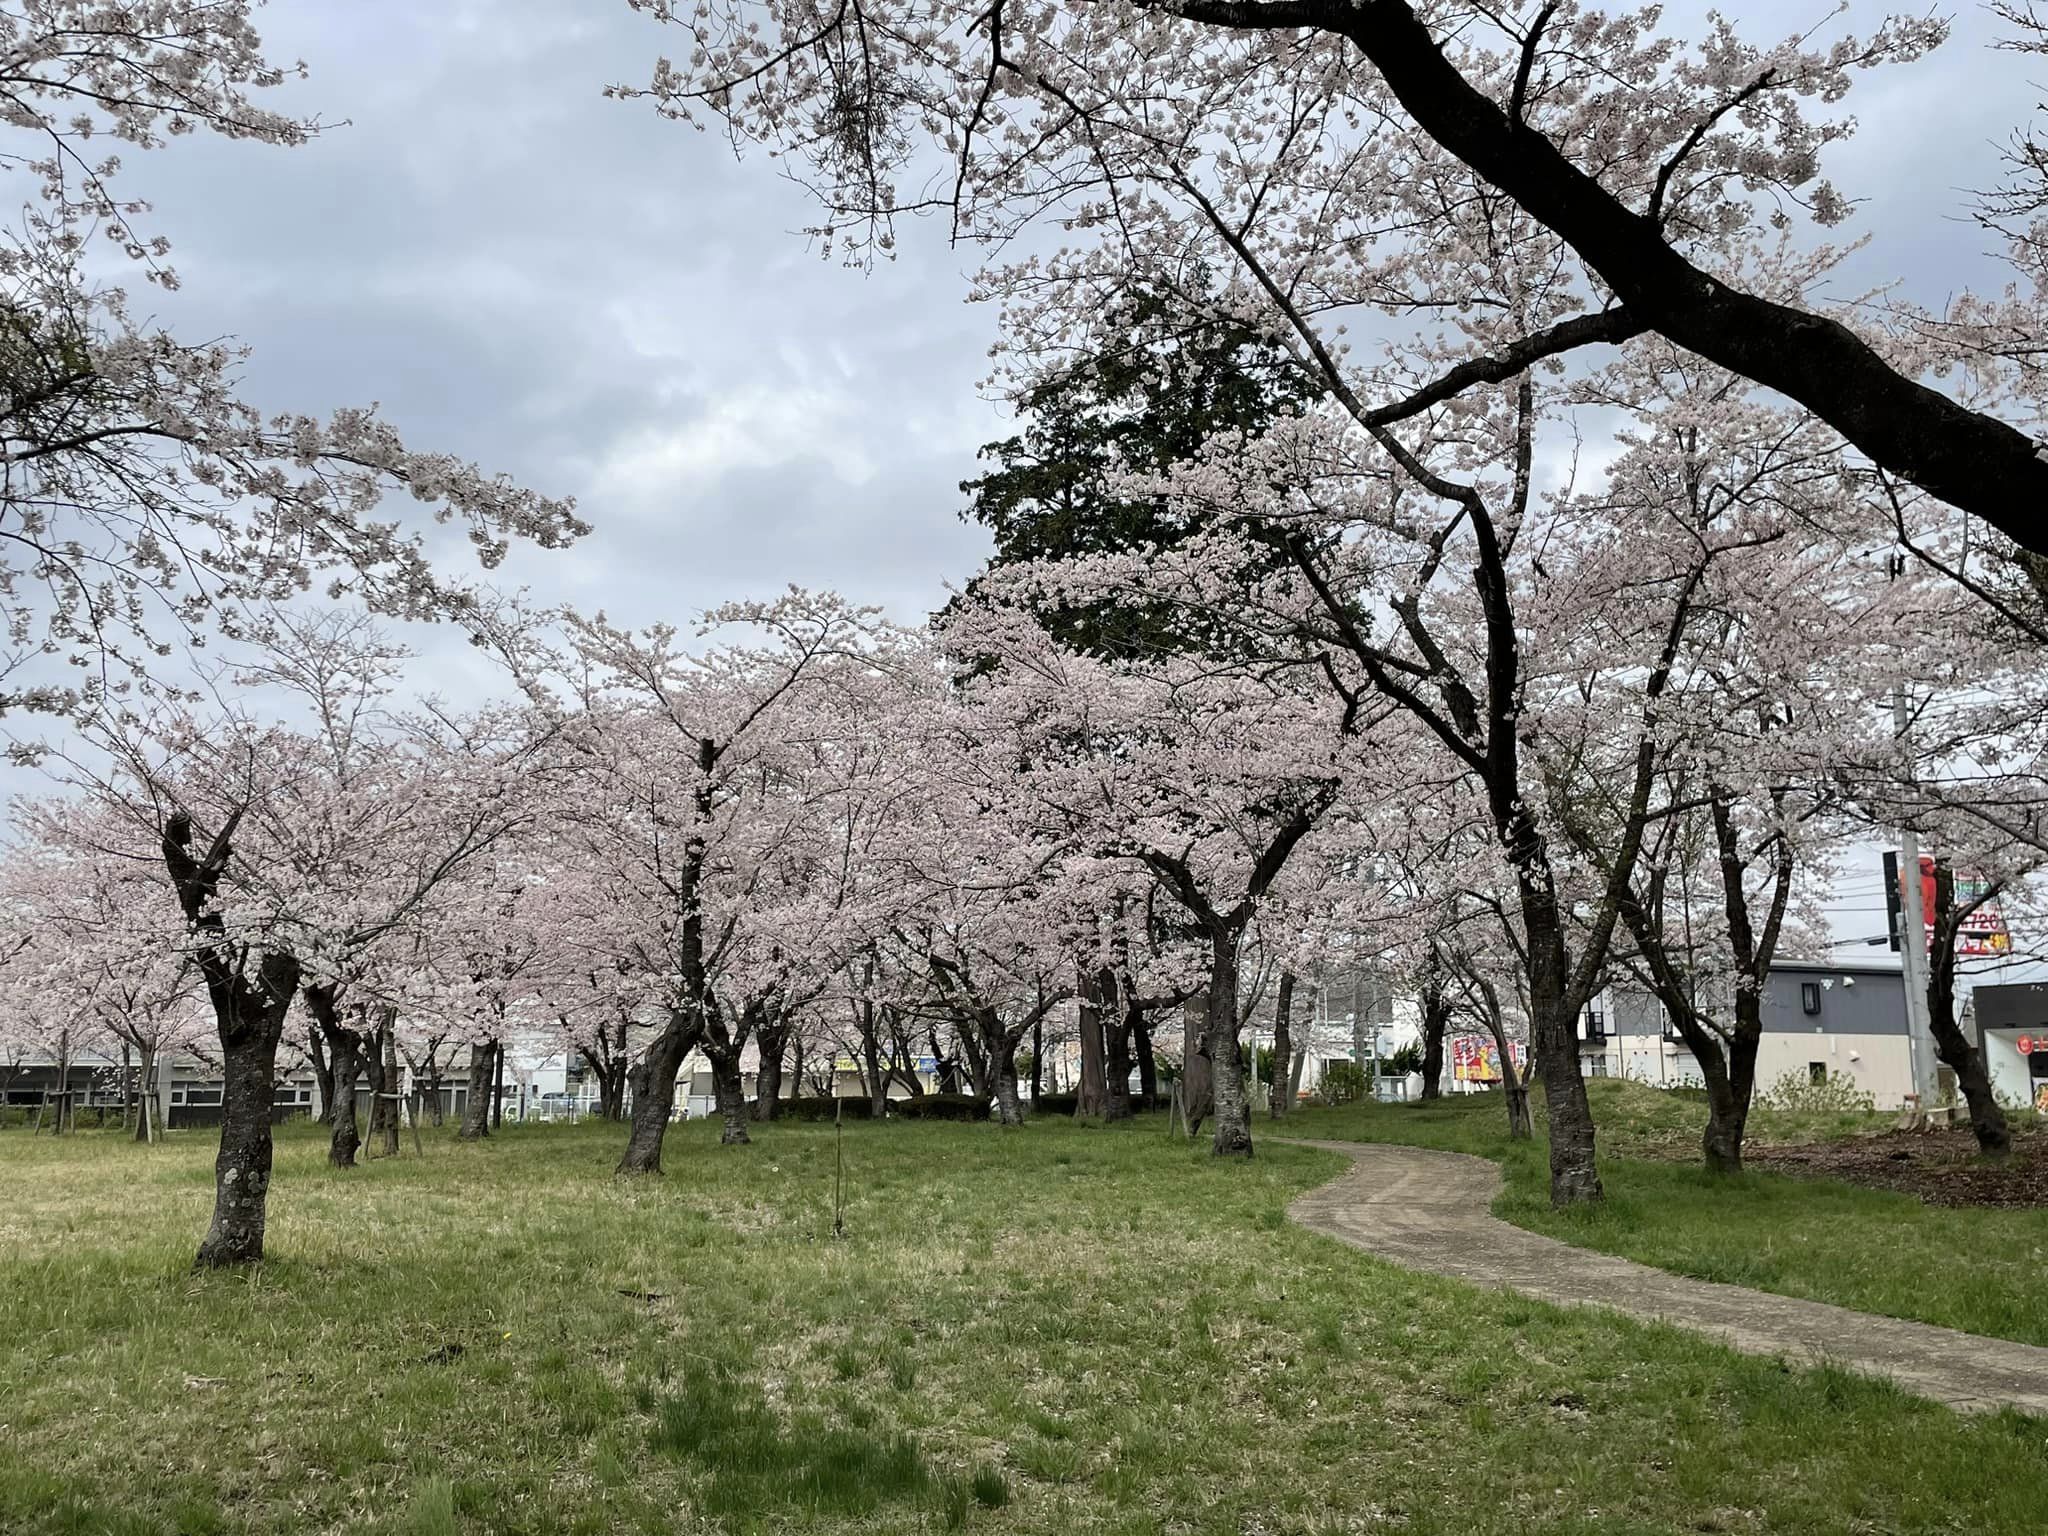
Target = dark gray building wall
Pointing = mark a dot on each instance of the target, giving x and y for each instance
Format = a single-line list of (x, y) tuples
[(2011, 1005), (1852, 1001)]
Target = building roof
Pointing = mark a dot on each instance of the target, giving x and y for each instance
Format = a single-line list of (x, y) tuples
[(1840, 967), (2011, 1005)]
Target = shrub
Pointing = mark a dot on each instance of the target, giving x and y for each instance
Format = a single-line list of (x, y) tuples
[(1402, 1062), (940, 1106), (1837, 1092), (1342, 1081), (1054, 1104)]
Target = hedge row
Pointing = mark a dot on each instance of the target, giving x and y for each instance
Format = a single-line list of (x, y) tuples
[(931, 1106), (936, 1106), (1050, 1104)]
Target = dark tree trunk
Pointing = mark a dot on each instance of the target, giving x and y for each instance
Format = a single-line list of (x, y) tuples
[(773, 1041), (476, 1106), (1574, 1175), (729, 1090), (1141, 1040), (872, 1074), (1283, 1047), (1038, 1060), (1009, 1106), (1436, 1023), (145, 1096), (1233, 1136), (1727, 1068), (610, 1065), (345, 1066), (323, 1075), (653, 1079), (1117, 1058), (903, 1065), (1987, 1117), (498, 1085), (250, 1018), (65, 1119), (241, 1170), (384, 1114), (346, 1137), (1093, 1096), (434, 1085), (1197, 1082)]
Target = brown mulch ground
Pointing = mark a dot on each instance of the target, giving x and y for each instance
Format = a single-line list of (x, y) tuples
[(1940, 1166)]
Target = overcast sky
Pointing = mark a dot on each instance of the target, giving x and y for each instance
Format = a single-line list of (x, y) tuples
[(607, 305)]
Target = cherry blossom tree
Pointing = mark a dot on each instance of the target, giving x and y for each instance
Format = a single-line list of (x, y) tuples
[(299, 857), (1203, 777), (99, 943), (700, 821)]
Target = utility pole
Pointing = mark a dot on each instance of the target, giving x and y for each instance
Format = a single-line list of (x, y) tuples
[(1913, 937)]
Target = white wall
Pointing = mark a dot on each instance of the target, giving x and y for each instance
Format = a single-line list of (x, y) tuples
[(1880, 1065)]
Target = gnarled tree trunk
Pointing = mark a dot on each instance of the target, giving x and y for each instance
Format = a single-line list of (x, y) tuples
[(323, 1075), (249, 1036), (772, 1040), (1436, 1024), (384, 1116), (1141, 1040), (1232, 1099), (476, 1106), (1282, 1098), (653, 1079), (1987, 1116), (728, 1089), (345, 1049), (1093, 1095), (1554, 1046)]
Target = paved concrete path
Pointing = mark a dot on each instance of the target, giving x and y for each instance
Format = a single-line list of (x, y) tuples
[(1430, 1211)]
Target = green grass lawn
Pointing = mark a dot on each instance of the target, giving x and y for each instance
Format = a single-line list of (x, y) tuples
[(1055, 1330), (1984, 1271)]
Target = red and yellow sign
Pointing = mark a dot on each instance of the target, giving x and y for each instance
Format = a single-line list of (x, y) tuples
[(1475, 1059), (1983, 931)]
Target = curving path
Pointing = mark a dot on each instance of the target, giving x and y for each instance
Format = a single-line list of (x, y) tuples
[(1429, 1210)]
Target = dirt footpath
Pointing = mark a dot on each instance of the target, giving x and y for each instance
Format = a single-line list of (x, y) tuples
[(1429, 1211)]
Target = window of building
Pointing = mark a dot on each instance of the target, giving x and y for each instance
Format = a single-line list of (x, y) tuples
[(1597, 1066), (1817, 1073), (1809, 997), (1596, 1022)]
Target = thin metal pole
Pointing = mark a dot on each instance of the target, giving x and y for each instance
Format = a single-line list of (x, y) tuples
[(1913, 942)]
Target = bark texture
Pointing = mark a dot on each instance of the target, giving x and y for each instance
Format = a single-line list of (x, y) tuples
[(1283, 1048), (1957, 1052), (250, 995), (476, 1107)]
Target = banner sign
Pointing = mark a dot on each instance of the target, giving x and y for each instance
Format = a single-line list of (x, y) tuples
[(1983, 932), (1475, 1059)]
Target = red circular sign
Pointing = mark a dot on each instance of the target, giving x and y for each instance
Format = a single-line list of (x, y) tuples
[(2026, 1044)]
